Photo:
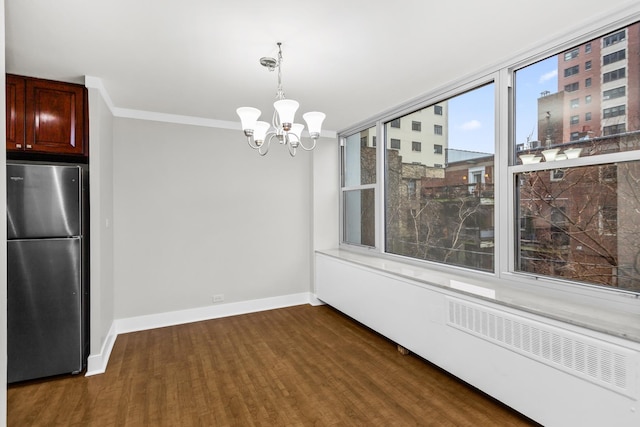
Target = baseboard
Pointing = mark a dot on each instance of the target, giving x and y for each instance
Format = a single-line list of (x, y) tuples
[(97, 363)]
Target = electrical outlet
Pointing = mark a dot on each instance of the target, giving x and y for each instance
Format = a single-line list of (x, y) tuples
[(218, 298)]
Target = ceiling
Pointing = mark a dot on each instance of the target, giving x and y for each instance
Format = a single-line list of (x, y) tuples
[(351, 59)]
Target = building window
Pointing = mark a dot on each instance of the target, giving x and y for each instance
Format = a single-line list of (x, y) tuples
[(587, 117), (572, 87), (373, 141), (574, 136), (587, 48), (437, 149), (614, 75), (571, 71), (613, 38), (415, 125), (363, 141), (394, 143), (614, 57), (587, 99), (437, 110), (619, 110), (614, 93), (587, 82), (437, 165), (571, 54), (395, 123), (574, 103), (587, 65), (613, 129), (574, 120), (416, 146), (437, 129)]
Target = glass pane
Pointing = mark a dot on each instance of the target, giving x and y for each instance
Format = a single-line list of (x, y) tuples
[(581, 224), (439, 199), (359, 158), (359, 220), (581, 102)]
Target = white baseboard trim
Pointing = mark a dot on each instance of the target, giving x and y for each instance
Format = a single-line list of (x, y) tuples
[(97, 363)]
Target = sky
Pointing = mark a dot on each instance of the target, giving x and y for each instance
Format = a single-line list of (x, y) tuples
[(472, 115)]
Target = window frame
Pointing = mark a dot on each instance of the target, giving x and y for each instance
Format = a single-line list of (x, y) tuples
[(506, 168)]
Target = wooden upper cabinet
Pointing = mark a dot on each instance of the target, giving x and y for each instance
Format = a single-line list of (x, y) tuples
[(53, 117), (15, 93)]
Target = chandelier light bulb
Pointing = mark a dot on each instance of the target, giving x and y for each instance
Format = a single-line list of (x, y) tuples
[(260, 132), (248, 117), (314, 121), (286, 109)]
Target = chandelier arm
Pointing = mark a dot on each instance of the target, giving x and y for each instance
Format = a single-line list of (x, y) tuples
[(310, 148), (292, 150)]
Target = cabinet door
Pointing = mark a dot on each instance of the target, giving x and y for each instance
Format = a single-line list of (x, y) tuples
[(15, 94), (54, 116)]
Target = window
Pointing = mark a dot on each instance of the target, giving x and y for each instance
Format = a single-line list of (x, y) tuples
[(619, 110), (571, 197), (614, 93), (452, 214), (416, 146), (358, 164), (571, 71), (614, 57), (574, 223), (571, 54), (417, 126), (613, 38), (571, 87), (363, 141), (613, 129), (614, 75), (373, 141)]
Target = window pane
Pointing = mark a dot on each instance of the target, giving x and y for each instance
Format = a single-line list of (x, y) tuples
[(439, 203), (581, 224), (359, 217), (359, 158), (548, 97)]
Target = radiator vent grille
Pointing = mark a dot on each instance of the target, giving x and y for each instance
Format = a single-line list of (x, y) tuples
[(597, 361)]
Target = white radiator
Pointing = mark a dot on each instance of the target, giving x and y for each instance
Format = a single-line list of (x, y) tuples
[(599, 362)]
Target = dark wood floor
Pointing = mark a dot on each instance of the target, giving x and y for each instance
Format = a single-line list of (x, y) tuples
[(297, 366)]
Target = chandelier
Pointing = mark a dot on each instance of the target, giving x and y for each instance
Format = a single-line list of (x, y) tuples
[(282, 127)]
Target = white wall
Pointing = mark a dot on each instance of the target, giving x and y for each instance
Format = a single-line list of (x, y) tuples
[(101, 232), (198, 213)]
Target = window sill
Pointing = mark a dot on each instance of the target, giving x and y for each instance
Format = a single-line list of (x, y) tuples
[(603, 311)]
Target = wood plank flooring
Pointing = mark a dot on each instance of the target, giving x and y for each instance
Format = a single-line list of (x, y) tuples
[(297, 366)]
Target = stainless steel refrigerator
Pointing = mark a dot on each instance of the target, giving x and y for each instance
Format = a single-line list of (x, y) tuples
[(45, 277)]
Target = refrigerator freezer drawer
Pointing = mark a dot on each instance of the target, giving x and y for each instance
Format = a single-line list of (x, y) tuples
[(44, 317)]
